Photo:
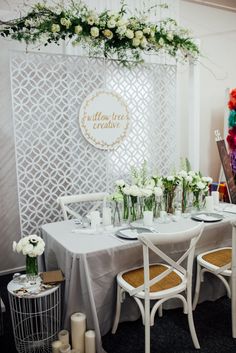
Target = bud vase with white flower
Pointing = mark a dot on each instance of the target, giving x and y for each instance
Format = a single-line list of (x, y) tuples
[(31, 246), (199, 188), (170, 184), (186, 179), (117, 197), (120, 185)]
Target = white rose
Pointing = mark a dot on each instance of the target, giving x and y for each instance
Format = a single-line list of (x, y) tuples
[(135, 42), (126, 190), (170, 178), (146, 30), (90, 20), (55, 28), (146, 192), (135, 190), (158, 191), (108, 34), (207, 180), (189, 179), (78, 29), (143, 42), (94, 32), (159, 183), (191, 173), (27, 249), (161, 42), (139, 34), (121, 23), (120, 182), (121, 30), (129, 34), (19, 247), (170, 36), (65, 22), (200, 185), (14, 246), (183, 174), (111, 23)]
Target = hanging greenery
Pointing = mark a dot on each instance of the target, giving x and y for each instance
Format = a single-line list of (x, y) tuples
[(108, 34)]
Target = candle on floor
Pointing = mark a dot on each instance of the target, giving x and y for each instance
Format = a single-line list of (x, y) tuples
[(65, 348), (63, 336), (90, 345), (56, 345), (78, 328)]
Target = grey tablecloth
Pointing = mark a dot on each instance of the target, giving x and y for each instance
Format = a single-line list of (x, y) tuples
[(91, 261)]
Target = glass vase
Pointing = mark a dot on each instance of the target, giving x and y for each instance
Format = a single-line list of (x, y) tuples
[(31, 268), (133, 208), (117, 214), (169, 200), (126, 208)]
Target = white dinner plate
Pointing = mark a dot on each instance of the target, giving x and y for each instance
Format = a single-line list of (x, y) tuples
[(131, 233), (207, 217)]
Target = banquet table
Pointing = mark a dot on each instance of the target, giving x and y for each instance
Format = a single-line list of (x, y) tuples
[(90, 261)]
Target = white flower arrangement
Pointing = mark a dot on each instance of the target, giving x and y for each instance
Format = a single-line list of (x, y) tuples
[(108, 34), (30, 245)]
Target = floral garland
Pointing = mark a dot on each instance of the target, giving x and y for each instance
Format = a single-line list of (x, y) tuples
[(231, 138), (108, 34)]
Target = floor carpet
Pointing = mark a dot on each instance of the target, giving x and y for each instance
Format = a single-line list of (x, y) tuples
[(169, 335)]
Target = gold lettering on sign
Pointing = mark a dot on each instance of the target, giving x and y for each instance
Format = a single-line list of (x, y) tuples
[(102, 121)]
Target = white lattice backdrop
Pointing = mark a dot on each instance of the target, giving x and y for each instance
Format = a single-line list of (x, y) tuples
[(53, 158)]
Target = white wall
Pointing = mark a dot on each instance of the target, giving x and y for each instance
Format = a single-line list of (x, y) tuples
[(216, 30)]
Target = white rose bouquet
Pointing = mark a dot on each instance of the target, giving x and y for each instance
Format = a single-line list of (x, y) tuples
[(31, 246), (199, 187)]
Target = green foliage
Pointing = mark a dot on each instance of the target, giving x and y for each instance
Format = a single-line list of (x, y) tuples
[(111, 35)]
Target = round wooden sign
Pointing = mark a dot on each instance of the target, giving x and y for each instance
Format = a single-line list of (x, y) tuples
[(104, 119)]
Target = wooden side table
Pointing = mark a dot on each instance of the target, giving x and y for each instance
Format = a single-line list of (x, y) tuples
[(36, 318)]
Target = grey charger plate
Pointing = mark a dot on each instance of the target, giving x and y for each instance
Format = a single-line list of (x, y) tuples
[(215, 217), (138, 229)]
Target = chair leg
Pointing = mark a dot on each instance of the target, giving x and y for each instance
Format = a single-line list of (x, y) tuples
[(118, 309), (197, 286), (160, 311), (190, 318), (147, 325)]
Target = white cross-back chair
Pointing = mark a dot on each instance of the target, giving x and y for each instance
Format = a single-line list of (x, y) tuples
[(216, 262), (160, 281), (65, 201)]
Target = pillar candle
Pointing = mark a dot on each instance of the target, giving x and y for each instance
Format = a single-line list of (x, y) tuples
[(216, 197), (147, 218), (63, 336), (56, 345), (95, 219), (106, 216), (90, 345), (78, 328), (209, 204), (65, 348)]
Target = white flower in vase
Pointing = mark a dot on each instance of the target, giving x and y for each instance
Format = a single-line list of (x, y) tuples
[(158, 192)]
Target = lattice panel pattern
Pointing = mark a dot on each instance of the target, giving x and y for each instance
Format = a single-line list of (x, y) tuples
[(53, 158)]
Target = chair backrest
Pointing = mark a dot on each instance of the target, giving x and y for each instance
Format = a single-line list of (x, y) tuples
[(153, 240), (64, 201)]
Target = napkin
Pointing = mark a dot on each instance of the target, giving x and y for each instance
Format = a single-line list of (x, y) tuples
[(205, 217), (129, 233)]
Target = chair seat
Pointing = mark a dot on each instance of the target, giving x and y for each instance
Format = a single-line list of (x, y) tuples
[(216, 258), (135, 277)]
